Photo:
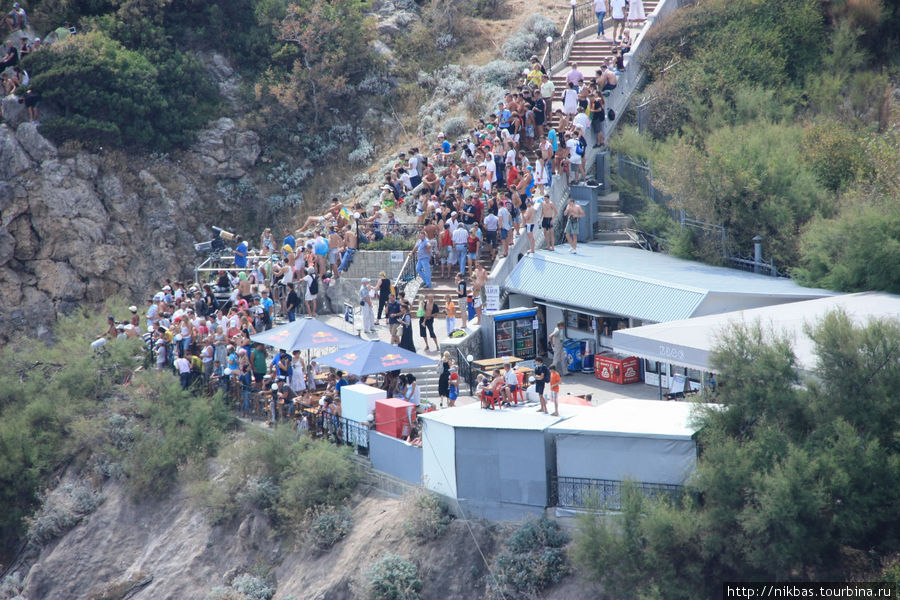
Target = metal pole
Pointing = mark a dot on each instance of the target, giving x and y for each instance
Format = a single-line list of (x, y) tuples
[(574, 22), (549, 65)]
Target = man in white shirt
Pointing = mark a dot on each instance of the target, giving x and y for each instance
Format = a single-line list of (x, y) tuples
[(547, 90), (505, 218), (184, 371), (491, 225), (618, 17), (582, 121), (460, 237), (574, 157)]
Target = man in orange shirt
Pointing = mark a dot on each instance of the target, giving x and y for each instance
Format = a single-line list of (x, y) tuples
[(555, 379)]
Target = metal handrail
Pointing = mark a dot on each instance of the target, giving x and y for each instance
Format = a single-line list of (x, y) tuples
[(466, 373)]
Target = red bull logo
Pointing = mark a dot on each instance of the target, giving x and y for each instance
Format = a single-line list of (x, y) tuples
[(323, 337), (346, 360), (280, 335), (393, 360)]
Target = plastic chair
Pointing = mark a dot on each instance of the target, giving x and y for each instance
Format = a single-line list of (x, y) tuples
[(485, 399)]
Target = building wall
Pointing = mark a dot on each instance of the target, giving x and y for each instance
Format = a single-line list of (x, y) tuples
[(395, 457), (503, 466), (369, 263)]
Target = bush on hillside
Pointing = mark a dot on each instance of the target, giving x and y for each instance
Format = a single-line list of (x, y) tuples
[(109, 95), (327, 525), (393, 578), (427, 516), (534, 560)]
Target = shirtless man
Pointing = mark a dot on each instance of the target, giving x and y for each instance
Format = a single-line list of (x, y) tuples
[(528, 217), (349, 248), (333, 214), (548, 213), (479, 279), (607, 80), (573, 212), (335, 241)]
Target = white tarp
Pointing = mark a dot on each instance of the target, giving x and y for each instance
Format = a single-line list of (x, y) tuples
[(439, 457)]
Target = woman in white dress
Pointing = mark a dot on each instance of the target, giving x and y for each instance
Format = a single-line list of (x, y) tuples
[(365, 301), (636, 12), (570, 100)]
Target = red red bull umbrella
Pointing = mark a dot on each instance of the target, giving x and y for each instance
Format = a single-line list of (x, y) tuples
[(372, 357), (305, 334)]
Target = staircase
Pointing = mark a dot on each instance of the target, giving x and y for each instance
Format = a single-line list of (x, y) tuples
[(613, 227), (589, 52)]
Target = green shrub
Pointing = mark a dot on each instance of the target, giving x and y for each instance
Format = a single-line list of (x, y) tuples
[(179, 427), (108, 94), (393, 578), (427, 516), (327, 525), (533, 561), (319, 473), (62, 510), (390, 242)]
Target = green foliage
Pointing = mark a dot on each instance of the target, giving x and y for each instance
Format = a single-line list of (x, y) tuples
[(327, 525), (390, 242), (393, 578), (108, 94), (45, 390), (427, 516), (780, 465), (61, 511), (179, 427), (749, 178), (319, 473), (534, 560), (855, 251)]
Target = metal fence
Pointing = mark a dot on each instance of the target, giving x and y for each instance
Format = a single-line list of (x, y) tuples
[(337, 429), (579, 492), (466, 372)]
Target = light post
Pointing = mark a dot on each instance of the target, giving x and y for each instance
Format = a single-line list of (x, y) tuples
[(574, 24), (549, 65)]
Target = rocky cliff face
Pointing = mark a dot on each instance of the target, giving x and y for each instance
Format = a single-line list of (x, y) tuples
[(77, 227)]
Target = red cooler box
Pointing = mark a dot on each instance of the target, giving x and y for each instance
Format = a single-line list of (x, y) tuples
[(617, 368), (392, 416)]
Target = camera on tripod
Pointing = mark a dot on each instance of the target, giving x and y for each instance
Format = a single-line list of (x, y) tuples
[(215, 246)]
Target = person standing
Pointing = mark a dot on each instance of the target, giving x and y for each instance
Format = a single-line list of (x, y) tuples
[(365, 301), (444, 378), (541, 377), (618, 17), (426, 322), (292, 303), (548, 213), (460, 238), (240, 253), (384, 295), (636, 12), (528, 217), (422, 253), (555, 379), (406, 337), (555, 341), (600, 10), (450, 312), (394, 312), (312, 289), (572, 213)]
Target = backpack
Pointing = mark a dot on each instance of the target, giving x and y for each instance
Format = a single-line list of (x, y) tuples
[(611, 115), (579, 149), (314, 286)]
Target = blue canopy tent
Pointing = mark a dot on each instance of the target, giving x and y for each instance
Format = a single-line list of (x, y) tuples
[(305, 334), (374, 356)]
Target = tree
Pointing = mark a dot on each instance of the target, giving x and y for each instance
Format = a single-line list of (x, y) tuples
[(108, 94), (327, 47), (792, 483)]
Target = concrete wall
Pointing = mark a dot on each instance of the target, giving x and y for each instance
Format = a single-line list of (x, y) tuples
[(395, 457), (368, 263)]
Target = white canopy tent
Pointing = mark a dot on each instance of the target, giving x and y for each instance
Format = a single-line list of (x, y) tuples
[(649, 441), (689, 342)]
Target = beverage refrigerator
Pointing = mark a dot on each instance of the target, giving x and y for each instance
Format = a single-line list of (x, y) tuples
[(514, 333)]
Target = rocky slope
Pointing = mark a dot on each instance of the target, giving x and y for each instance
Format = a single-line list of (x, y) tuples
[(170, 547), (76, 227)]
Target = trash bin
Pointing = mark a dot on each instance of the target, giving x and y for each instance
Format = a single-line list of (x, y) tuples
[(586, 223), (573, 355), (587, 356), (601, 174)]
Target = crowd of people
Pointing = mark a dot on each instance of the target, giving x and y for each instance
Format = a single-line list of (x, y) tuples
[(20, 43), (468, 200)]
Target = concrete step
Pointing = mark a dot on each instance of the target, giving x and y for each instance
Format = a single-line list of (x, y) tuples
[(613, 221), (606, 237)]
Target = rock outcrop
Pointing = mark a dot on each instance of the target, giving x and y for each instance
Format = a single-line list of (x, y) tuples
[(79, 227)]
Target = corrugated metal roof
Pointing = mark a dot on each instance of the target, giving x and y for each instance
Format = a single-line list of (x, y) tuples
[(596, 289), (650, 286)]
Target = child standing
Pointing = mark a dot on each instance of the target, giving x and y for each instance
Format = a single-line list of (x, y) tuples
[(555, 379), (454, 387), (450, 308)]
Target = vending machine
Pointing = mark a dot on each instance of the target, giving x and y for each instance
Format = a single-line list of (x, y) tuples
[(515, 333)]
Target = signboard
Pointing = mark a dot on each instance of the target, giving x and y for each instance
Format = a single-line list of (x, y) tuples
[(492, 298), (396, 257), (348, 313)]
